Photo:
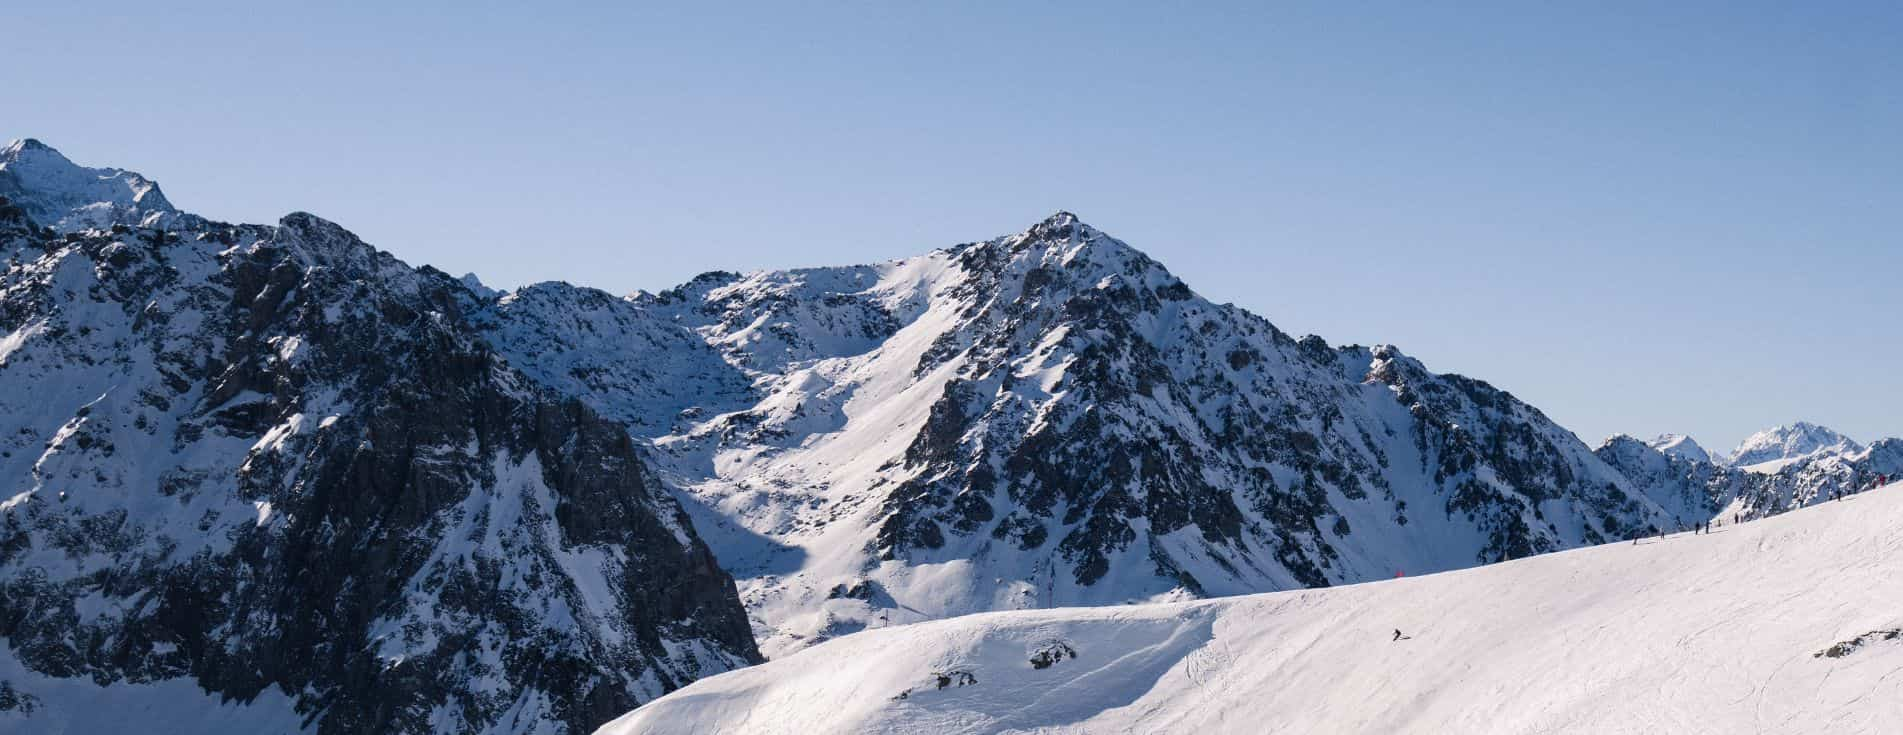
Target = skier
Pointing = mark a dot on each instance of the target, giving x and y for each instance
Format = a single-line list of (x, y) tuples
[(1398, 636)]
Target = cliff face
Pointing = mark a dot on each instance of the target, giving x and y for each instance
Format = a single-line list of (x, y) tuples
[(275, 461)]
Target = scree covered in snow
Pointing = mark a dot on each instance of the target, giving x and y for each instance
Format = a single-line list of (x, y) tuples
[(1792, 624)]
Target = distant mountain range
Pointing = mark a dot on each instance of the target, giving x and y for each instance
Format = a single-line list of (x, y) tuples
[(1782, 445), (298, 474)]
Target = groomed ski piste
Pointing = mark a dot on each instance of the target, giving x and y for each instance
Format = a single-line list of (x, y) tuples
[(1791, 624)]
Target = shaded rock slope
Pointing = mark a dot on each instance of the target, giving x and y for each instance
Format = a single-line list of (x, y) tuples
[(284, 466)]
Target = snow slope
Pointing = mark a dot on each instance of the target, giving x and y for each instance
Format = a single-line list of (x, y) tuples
[(1784, 625)]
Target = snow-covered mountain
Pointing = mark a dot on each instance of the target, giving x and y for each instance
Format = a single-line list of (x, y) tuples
[(1778, 446), (1694, 489), (1682, 446), (1051, 418), (272, 479), (1699, 489), (1787, 625), (268, 478), (67, 197)]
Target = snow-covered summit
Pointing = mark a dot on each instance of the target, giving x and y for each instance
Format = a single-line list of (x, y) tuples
[(1778, 446), (1680, 445), (68, 197)]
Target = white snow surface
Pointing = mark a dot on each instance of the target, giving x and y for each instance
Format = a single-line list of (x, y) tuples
[(1782, 625)]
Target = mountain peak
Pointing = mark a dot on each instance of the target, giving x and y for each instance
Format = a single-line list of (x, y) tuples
[(24, 154), (69, 197), (1618, 439), (1680, 445), (31, 153), (1061, 226), (1061, 218), (1796, 441), (22, 145)]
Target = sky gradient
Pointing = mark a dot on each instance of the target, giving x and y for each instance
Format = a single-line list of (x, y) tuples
[(1640, 219)]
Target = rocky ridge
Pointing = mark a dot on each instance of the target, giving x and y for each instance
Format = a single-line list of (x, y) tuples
[(283, 465)]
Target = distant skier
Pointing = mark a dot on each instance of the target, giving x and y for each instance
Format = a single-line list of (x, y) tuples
[(1398, 636)]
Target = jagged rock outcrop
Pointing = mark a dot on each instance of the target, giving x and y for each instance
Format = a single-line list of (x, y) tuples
[(287, 467)]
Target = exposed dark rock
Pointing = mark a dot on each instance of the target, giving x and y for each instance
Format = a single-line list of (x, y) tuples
[(342, 493), (1845, 648), (1051, 653)]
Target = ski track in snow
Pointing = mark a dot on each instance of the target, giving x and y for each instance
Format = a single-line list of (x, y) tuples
[(1718, 633)]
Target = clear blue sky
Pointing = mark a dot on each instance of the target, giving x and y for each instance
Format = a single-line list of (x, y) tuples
[(1640, 218)]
